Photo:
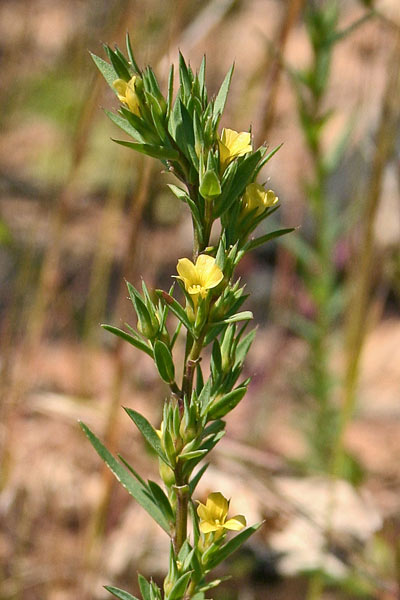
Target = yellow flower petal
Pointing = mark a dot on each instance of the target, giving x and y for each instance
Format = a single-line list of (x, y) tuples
[(208, 527), (187, 271), (235, 523), (127, 94), (217, 507), (210, 274), (202, 276), (202, 511), (120, 86), (257, 198), (224, 154), (233, 144), (272, 198), (131, 97)]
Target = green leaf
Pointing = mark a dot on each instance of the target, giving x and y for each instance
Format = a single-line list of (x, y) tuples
[(184, 197), (184, 76), (131, 56), (180, 126), (119, 593), (132, 470), (176, 308), (196, 478), (160, 152), (202, 74), (231, 546), (210, 186), (134, 488), (148, 324), (107, 70), (118, 63), (266, 238), (129, 338), (193, 454), (170, 90), (161, 500), (246, 315), (148, 432), (224, 405), (243, 347), (145, 588), (205, 396), (267, 158), (236, 185), (180, 586), (164, 362), (124, 125), (220, 100)]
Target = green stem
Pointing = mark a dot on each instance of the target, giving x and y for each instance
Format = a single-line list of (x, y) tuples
[(187, 381), (182, 500)]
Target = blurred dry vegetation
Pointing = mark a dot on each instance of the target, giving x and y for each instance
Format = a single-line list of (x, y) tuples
[(78, 214)]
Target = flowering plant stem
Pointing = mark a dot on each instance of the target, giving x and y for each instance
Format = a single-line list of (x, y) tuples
[(218, 172)]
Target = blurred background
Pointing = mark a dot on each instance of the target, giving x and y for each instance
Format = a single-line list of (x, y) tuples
[(78, 214)]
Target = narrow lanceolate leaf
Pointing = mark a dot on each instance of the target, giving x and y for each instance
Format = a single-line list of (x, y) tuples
[(162, 500), (246, 315), (145, 588), (148, 432), (193, 454), (155, 151), (135, 489), (180, 126), (227, 403), (266, 238), (119, 593), (164, 362), (124, 125), (119, 63), (243, 347), (129, 338), (267, 158), (176, 308), (220, 100), (131, 56), (231, 546), (107, 70), (196, 478), (180, 586)]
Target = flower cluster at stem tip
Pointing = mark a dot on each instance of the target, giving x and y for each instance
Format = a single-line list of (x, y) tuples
[(213, 515)]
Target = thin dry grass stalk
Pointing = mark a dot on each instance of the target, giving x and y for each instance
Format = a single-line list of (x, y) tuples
[(361, 275)]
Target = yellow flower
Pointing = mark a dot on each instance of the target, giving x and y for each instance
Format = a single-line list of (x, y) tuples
[(127, 94), (233, 144), (256, 197), (201, 277), (213, 515)]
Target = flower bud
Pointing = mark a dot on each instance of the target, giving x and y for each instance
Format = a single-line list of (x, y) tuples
[(126, 91), (257, 198), (166, 473)]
